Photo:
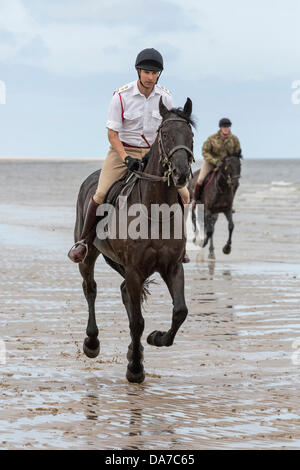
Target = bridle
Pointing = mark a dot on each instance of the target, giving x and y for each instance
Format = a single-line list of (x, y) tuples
[(228, 178), (165, 157)]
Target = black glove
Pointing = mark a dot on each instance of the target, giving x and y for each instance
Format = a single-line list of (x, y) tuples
[(133, 164)]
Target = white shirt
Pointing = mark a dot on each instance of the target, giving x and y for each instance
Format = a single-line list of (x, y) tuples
[(132, 115)]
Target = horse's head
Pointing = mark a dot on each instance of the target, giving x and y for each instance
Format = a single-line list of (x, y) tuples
[(231, 168), (175, 141)]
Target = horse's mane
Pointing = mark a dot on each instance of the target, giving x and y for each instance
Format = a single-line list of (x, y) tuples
[(236, 154), (180, 113)]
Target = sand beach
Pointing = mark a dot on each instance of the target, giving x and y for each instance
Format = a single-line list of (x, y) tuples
[(231, 379)]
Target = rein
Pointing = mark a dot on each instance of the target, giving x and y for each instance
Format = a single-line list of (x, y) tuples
[(165, 158), (228, 179)]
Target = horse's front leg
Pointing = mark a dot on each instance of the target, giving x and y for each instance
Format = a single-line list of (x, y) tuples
[(91, 345), (174, 278), (209, 226), (211, 254), (194, 224), (227, 247), (131, 291)]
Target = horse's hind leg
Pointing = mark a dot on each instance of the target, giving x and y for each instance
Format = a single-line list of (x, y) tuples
[(174, 279), (131, 290), (227, 247), (91, 345)]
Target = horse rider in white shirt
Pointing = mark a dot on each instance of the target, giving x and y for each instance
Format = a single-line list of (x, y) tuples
[(133, 120)]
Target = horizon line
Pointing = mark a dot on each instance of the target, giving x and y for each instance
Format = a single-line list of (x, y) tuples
[(3, 158)]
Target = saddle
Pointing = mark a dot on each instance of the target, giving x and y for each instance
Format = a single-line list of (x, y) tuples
[(121, 187)]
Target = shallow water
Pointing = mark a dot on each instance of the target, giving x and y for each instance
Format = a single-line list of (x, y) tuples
[(231, 378)]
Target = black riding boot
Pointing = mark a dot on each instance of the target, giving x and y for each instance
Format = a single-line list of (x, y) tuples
[(79, 251)]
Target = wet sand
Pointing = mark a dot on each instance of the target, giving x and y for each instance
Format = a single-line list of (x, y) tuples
[(231, 379)]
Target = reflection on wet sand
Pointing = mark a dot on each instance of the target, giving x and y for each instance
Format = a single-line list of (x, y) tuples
[(145, 412), (228, 382)]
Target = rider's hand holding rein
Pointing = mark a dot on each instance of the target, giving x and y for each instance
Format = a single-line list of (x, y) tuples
[(218, 164), (133, 164)]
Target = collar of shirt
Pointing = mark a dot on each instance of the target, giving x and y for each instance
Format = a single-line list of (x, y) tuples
[(136, 91), (224, 137)]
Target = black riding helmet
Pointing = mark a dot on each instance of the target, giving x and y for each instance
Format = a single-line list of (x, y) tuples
[(149, 59), (225, 122)]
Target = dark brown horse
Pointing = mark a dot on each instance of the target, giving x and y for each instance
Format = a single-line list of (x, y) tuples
[(217, 197), (167, 169)]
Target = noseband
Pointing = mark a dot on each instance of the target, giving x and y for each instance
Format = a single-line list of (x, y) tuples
[(228, 178), (164, 157)]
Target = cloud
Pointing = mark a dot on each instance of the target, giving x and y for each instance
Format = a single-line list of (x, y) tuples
[(33, 52), (230, 40)]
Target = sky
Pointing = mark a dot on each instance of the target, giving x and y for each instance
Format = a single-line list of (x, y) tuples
[(61, 60)]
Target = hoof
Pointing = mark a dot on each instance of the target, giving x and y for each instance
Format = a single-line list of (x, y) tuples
[(227, 249), (91, 352), (158, 338), (135, 377), (211, 256)]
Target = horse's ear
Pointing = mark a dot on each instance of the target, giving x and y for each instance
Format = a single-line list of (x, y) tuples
[(188, 107), (162, 108)]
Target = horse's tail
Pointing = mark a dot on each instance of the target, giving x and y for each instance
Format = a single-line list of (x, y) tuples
[(120, 269), (145, 289)]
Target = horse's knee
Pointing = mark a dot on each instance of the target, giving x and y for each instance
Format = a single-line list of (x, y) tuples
[(209, 234)]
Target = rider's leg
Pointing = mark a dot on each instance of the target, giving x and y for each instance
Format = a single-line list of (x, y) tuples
[(79, 251), (205, 169)]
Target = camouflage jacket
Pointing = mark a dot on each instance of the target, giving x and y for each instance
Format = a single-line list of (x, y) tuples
[(215, 148)]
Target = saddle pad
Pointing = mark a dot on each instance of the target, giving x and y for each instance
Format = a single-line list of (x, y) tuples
[(118, 186)]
